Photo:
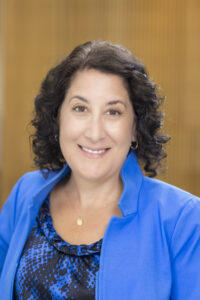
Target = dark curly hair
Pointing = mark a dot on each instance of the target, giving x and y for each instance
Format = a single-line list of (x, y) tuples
[(108, 58)]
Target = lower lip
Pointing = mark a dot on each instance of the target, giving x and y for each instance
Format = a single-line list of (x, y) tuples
[(93, 155)]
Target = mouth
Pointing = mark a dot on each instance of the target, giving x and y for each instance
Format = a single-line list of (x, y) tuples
[(94, 151)]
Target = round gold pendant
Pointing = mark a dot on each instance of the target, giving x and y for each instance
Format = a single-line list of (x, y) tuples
[(79, 221)]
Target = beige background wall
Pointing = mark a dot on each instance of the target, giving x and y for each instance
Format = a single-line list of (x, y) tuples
[(165, 34)]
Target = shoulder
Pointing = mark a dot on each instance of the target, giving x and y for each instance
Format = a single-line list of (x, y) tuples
[(27, 191), (167, 195), (31, 182), (37, 177), (27, 186), (172, 206), (175, 212)]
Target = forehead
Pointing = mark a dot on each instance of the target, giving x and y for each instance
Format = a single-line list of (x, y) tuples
[(95, 82)]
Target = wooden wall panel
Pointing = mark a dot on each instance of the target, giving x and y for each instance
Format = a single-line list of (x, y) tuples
[(1, 86), (165, 34)]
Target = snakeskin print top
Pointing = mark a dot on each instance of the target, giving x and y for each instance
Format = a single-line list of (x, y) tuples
[(50, 268)]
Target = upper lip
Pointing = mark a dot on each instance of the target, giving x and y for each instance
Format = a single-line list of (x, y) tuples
[(97, 149)]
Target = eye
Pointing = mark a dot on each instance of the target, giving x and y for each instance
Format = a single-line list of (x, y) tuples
[(114, 112), (79, 108)]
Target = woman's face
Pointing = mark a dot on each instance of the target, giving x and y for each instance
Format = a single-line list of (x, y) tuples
[(96, 125)]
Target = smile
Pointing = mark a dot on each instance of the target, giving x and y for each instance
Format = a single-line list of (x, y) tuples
[(100, 151)]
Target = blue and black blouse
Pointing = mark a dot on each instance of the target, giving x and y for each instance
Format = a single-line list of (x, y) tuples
[(51, 268)]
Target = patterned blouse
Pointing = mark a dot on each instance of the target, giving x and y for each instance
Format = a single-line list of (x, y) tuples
[(50, 268)]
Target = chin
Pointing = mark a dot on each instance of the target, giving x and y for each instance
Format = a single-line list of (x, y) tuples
[(94, 178)]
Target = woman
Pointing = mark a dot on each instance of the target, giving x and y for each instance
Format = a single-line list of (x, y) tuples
[(89, 224)]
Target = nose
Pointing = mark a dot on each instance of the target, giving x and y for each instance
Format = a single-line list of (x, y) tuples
[(95, 130)]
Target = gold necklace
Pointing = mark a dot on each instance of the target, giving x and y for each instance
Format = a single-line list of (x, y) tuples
[(79, 221)]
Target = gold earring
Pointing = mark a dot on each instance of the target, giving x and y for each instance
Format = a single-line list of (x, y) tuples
[(56, 137), (134, 145)]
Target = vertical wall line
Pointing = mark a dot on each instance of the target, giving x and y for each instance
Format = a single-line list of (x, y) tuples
[(1, 84)]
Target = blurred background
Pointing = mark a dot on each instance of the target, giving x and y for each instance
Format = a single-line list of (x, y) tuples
[(36, 35)]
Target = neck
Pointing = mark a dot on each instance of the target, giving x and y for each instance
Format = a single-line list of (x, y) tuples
[(95, 194)]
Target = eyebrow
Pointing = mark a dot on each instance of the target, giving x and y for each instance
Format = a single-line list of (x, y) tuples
[(86, 101)]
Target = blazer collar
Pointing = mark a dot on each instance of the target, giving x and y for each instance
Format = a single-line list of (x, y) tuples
[(131, 176)]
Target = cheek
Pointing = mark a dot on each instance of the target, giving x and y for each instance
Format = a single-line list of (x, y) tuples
[(68, 133), (122, 132), (68, 127)]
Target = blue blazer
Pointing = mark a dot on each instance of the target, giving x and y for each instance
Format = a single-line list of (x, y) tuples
[(152, 252)]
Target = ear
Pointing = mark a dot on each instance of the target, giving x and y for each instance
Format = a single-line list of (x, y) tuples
[(134, 133)]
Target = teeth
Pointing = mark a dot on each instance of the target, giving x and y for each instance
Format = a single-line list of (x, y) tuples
[(93, 151)]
